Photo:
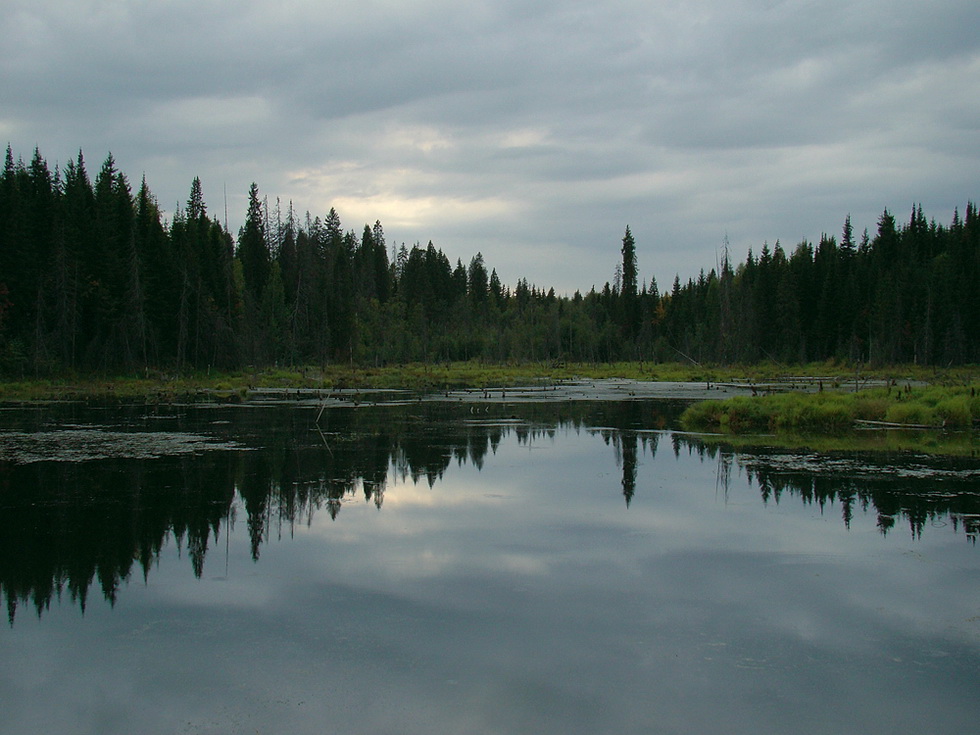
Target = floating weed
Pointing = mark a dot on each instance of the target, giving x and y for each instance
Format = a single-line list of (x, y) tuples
[(82, 444)]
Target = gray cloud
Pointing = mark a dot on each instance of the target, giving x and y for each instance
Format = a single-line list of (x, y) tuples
[(531, 132)]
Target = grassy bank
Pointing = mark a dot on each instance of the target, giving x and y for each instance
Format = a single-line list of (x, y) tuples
[(422, 377), (891, 441), (418, 377), (935, 406)]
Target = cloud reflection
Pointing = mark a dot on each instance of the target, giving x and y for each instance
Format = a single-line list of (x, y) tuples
[(428, 573), (407, 474)]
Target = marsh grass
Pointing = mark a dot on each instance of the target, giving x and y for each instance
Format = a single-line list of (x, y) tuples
[(236, 385), (951, 407), (415, 376), (944, 443)]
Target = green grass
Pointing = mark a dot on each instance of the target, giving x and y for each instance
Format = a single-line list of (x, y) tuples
[(778, 412), (475, 374), (831, 421), (944, 443), (817, 420), (416, 376), (951, 407)]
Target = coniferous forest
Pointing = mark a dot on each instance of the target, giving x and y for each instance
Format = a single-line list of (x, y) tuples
[(94, 279)]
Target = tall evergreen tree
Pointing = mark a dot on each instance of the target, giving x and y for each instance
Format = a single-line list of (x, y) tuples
[(629, 264), (253, 247), (478, 283)]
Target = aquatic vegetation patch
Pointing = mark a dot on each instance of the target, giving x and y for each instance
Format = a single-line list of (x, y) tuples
[(161, 387), (83, 445), (956, 407), (856, 466)]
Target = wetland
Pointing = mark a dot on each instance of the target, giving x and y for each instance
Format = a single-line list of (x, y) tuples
[(558, 559)]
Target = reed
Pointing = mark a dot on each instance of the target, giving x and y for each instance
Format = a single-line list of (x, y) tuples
[(951, 407)]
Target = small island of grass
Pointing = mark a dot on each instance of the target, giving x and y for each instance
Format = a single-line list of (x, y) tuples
[(949, 407)]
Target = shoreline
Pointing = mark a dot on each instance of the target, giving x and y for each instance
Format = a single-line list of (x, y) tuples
[(652, 380)]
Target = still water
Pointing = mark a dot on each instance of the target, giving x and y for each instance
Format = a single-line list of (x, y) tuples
[(474, 567)]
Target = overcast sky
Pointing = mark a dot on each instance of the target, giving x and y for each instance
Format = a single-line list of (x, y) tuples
[(532, 131)]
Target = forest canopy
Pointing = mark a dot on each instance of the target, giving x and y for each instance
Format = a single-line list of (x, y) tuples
[(93, 278)]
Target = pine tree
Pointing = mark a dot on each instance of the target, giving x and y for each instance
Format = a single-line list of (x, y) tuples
[(478, 283), (629, 264), (847, 238), (380, 263), (155, 252), (253, 248)]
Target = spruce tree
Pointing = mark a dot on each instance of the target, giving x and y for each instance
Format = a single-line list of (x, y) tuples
[(629, 264), (253, 248)]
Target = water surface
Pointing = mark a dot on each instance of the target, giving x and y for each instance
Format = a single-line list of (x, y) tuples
[(474, 567)]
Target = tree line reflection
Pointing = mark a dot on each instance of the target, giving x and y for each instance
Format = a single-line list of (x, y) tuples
[(70, 526), (918, 491)]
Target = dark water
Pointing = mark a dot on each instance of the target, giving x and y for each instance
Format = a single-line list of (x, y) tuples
[(474, 568)]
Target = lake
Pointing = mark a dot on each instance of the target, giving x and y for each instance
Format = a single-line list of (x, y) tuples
[(462, 565)]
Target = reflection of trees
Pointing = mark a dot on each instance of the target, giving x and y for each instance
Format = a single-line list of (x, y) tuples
[(627, 445), (66, 527), (918, 490)]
